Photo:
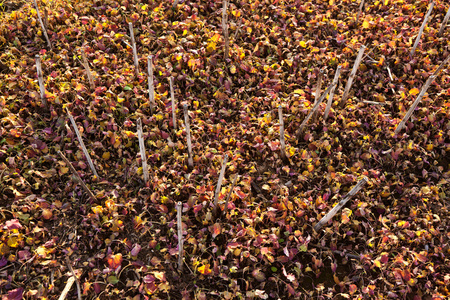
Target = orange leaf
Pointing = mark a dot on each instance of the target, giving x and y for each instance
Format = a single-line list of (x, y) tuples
[(115, 260), (414, 91), (216, 229), (205, 270)]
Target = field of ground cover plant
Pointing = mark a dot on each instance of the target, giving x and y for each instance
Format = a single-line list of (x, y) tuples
[(253, 234)]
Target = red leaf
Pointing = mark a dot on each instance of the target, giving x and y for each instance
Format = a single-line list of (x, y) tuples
[(215, 229), (115, 260), (13, 224)]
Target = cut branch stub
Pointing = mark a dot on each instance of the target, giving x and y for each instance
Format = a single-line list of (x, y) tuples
[(172, 95), (348, 86), (341, 204), (133, 45), (421, 30), (142, 150), (44, 29), (41, 80), (151, 86), (88, 70), (444, 23), (219, 183), (180, 235), (330, 97), (188, 135)]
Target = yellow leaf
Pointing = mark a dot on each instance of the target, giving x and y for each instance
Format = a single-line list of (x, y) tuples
[(299, 91), (377, 264), (106, 155), (414, 91), (205, 270), (233, 69), (303, 44), (144, 7), (249, 30), (64, 170), (366, 24), (215, 38), (13, 242)]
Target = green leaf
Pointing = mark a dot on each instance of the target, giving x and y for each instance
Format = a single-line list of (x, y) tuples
[(274, 269), (113, 279), (303, 248), (128, 87)]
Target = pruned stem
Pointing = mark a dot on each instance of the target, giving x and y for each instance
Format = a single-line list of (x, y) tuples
[(175, 3), (352, 75), (88, 70), (441, 66), (315, 107), (180, 236), (341, 204), (76, 278), (188, 135), (75, 173), (282, 141), (41, 80), (225, 28), (133, 44), (219, 182), (172, 95), (83, 147), (142, 149), (318, 89), (361, 7), (67, 288), (414, 105), (330, 97), (44, 30), (424, 23), (231, 190), (151, 86), (444, 23)]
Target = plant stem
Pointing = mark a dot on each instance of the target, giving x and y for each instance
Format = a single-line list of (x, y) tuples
[(219, 183), (188, 135), (352, 75), (133, 44), (421, 30), (44, 30), (180, 236), (151, 86), (41, 80), (142, 150), (330, 97)]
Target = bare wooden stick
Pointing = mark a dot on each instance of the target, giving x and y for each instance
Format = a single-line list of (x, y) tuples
[(83, 147), (444, 23), (41, 80), (175, 3), (44, 30), (219, 183), (391, 78), (352, 75), (188, 135), (225, 28), (414, 105), (88, 70), (421, 30), (315, 107), (361, 7), (67, 288), (142, 149), (180, 235), (133, 44), (231, 190), (374, 102), (151, 86), (341, 204), (75, 173), (174, 120), (76, 278), (282, 141), (317, 91), (441, 66), (330, 97)]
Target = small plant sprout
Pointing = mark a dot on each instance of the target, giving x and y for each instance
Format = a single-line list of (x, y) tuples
[(83, 147), (172, 95), (330, 97), (282, 141), (40, 80), (424, 23), (180, 236), (188, 135), (341, 204), (219, 183), (142, 150), (133, 45), (414, 105), (348, 86), (44, 30), (151, 86), (88, 70)]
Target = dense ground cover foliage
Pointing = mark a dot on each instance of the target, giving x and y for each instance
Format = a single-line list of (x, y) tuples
[(390, 241)]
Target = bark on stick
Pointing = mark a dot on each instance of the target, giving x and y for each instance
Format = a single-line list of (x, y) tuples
[(44, 30), (180, 236), (133, 45), (352, 75), (142, 149), (219, 183), (330, 97), (444, 23), (151, 86), (188, 135), (424, 23), (41, 80)]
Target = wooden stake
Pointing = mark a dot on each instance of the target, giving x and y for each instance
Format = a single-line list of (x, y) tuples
[(133, 44), (352, 75), (441, 66), (315, 107), (76, 278), (330, 97), (225, 28), (174, 120), (67, 288), (444, 23), (88, 70), (421, 30), (41, 80), (341, 204), (414, 105), (151, 86), (142, 150), (75, 173), (83, 147), (188, 135), (361, 7), (282, 141), (219, 184), (318, 89), (231, 190), (180, 236), (44, 30)]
